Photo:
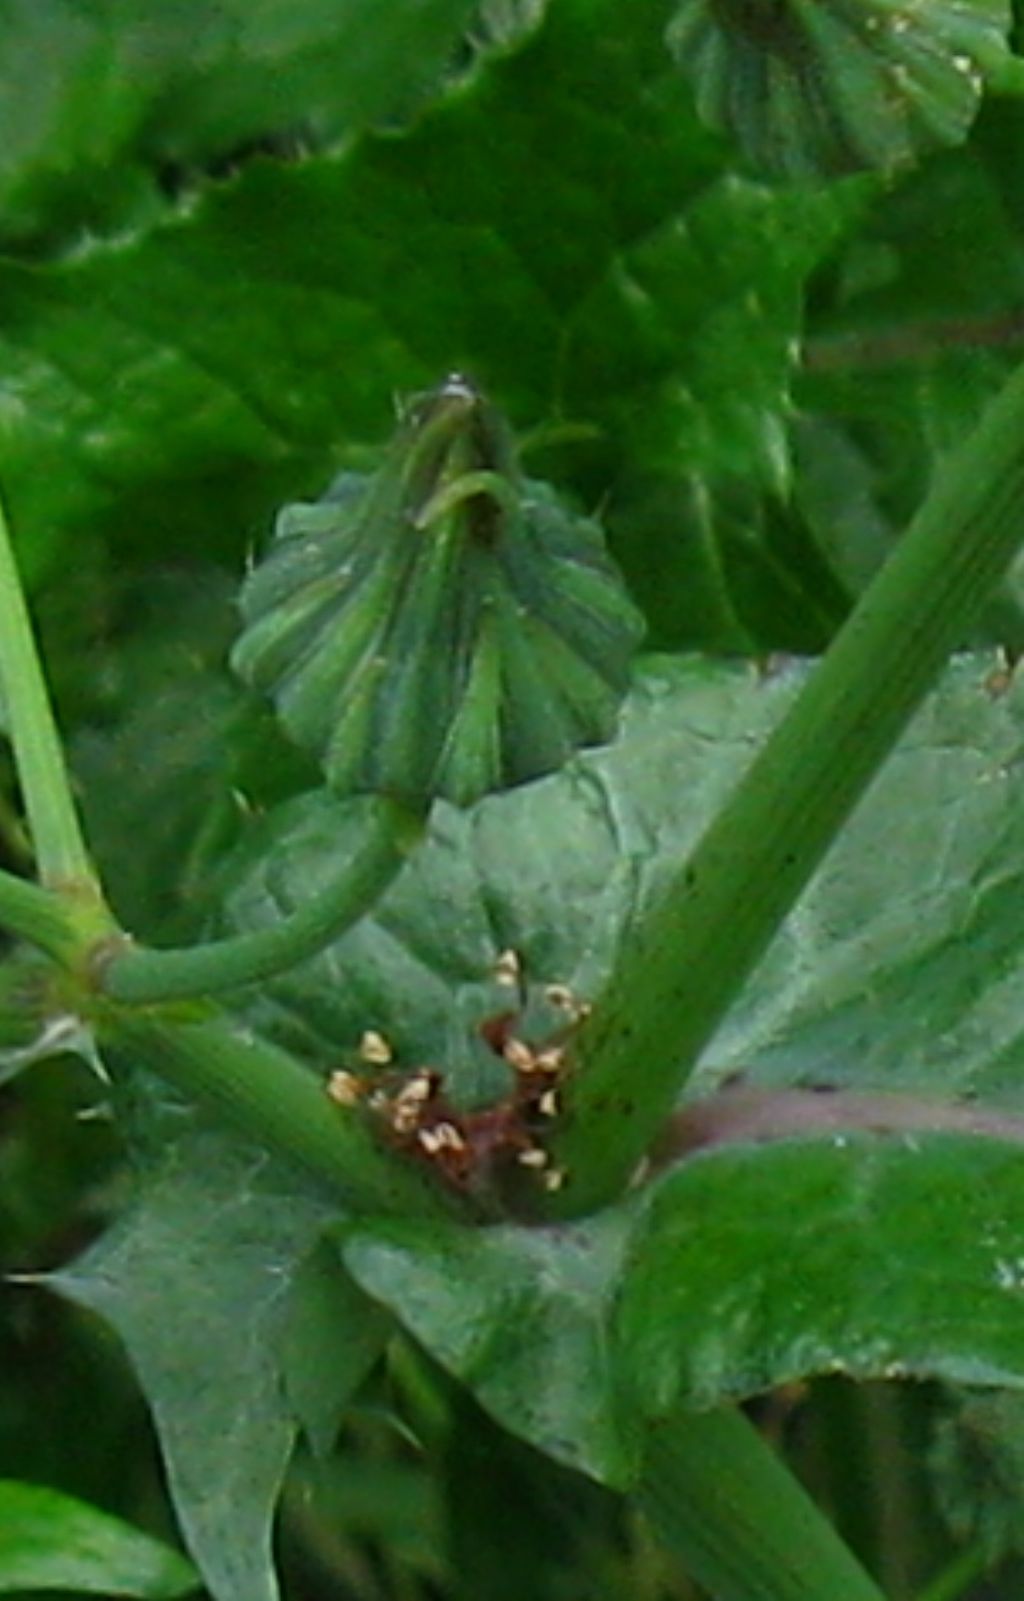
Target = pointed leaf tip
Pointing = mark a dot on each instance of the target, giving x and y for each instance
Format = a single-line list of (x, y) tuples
[(443, 627)]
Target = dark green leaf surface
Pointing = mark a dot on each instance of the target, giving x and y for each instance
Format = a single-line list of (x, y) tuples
[(49, 1541), (197, 1281), (177, 386), (96, 100), (870, 1256)]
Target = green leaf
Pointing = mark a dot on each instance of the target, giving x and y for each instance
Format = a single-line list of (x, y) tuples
[(332, 1338), (700, 317), (322, 70), (196, 1279), (521, 1316), (896, 970), (97, 104), (815, 89), (873, 1256), (574, 302), (49, 1541), (869, 1255), (444, 627)]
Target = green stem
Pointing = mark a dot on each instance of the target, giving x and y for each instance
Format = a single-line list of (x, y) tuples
[(60, 851), (37, 915), (739, 1521), (147, 976), (268, 1095), (696, 946)]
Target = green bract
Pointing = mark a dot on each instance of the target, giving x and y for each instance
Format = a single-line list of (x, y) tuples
[(812, 87), (443, 627)]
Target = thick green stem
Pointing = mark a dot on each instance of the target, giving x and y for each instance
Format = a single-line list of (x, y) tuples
[(146, 976), (37, 915), (60, 851), (695, 948), (738, 1520), (268, 1095)]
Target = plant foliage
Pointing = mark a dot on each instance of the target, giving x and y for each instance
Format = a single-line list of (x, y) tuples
[(740, 277)]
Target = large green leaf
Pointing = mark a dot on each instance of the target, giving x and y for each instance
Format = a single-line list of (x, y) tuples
[(877, 1256), (49, 1541), (872, 1255), (96, 101), (197, 1280), (637, 308)]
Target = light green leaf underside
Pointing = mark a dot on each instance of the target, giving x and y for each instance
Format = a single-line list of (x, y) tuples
[(522, 1316), (197, 1281), (332, 1337)]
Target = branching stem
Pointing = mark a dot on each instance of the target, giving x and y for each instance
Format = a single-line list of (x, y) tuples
[(130, 974)]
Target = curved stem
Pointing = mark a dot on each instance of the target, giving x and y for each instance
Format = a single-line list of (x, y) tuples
[(60, 850), (146, 976), (742, 1525), (695, 947)]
